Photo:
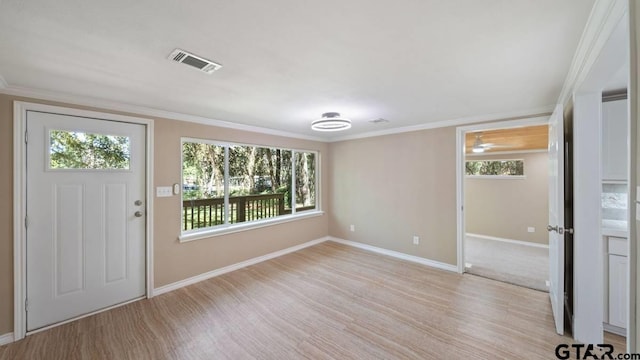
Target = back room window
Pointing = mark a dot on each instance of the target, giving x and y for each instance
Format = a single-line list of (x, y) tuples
[(494, 167)]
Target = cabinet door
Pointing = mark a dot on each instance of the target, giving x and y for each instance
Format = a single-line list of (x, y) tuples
[(618, 290), (614, 140)]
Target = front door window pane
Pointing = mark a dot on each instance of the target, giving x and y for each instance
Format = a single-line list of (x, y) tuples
[(79, 150)]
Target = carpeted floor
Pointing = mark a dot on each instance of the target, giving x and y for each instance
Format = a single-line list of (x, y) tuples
[(512, 263)]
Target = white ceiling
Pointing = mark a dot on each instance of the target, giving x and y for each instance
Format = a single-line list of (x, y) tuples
[(287, 61)]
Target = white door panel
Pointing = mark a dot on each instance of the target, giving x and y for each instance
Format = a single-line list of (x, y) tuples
[(556, 217), (85, 245)]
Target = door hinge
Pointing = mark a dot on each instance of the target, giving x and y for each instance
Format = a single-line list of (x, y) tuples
[(26, 222), (26, 304), (26, 137)]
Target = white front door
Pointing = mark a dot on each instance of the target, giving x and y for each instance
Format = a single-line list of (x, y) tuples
[(85, 215), (556, 217)]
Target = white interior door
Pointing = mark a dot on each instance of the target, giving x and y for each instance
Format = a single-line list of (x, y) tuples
[(556, 217), (85, 216)]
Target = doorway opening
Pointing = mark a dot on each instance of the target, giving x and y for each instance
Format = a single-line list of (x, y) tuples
[(506, 205)]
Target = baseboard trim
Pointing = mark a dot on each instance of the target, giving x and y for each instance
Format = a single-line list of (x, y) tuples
[(6, 339), (217, 272), (510, 241), (614, 329), (398, 255)]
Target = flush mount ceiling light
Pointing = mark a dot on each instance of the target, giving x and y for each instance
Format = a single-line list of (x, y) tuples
[(478, 145), (331, 121)]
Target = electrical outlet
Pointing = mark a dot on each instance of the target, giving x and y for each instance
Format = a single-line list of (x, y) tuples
[(352, 227), (531, 229), (416, 240)]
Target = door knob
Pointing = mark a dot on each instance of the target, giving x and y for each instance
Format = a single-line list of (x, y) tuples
[(552, 228), (138, 202), (138, 214)]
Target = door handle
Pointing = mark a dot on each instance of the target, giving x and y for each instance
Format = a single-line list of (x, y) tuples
[(138, 202), (138, 214), (559, 229)]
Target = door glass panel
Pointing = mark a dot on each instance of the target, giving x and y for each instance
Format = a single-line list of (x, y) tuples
[(79, 150)]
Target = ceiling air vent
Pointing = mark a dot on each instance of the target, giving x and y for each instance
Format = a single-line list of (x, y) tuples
[(197, 62)]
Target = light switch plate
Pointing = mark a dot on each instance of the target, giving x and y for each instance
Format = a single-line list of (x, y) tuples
[(164, 191)]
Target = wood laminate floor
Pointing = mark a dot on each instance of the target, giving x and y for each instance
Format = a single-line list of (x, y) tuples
[(329, 301)]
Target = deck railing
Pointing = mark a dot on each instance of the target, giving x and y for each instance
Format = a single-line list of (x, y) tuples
[(202, 213)]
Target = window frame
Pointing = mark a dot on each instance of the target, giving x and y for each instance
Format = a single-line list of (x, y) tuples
[(227, 228), (500, 177)]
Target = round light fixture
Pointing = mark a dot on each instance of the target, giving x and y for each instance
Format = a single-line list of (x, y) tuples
[(331, 121)]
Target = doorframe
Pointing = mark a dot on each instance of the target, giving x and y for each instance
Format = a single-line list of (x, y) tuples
[(587, 118), (20, 109), (460, 169)]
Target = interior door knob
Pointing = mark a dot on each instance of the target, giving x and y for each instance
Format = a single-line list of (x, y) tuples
[(138, 202), (138, 214), (552, 228)]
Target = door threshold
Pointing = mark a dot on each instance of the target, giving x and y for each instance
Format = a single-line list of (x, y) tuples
[(83, 316)]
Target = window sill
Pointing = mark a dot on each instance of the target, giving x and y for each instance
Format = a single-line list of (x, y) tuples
[(500, 177), (230, 229)]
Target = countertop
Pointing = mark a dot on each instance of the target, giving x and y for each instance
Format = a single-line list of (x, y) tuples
[(616, 228)]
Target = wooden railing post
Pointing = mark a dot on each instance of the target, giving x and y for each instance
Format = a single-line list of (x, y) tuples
[(281, 204), (242, 209)]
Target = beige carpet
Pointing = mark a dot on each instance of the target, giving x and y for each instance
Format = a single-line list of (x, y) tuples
[(512, 263)]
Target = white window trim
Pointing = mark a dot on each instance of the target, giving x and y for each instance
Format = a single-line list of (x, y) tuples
[(226, 228), (497, 177), (219, 230)]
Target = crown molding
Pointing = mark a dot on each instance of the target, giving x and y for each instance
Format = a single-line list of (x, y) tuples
[(605, 16), (144, 111), (151, 112), (512, 115)]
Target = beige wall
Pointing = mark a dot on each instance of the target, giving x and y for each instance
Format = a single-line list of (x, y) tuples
[(173, 261), (504, 208), (396, 186)]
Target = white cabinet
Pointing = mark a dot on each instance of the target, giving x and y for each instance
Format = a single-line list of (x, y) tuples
[(618, 291), (614, 140), (616, 284)]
